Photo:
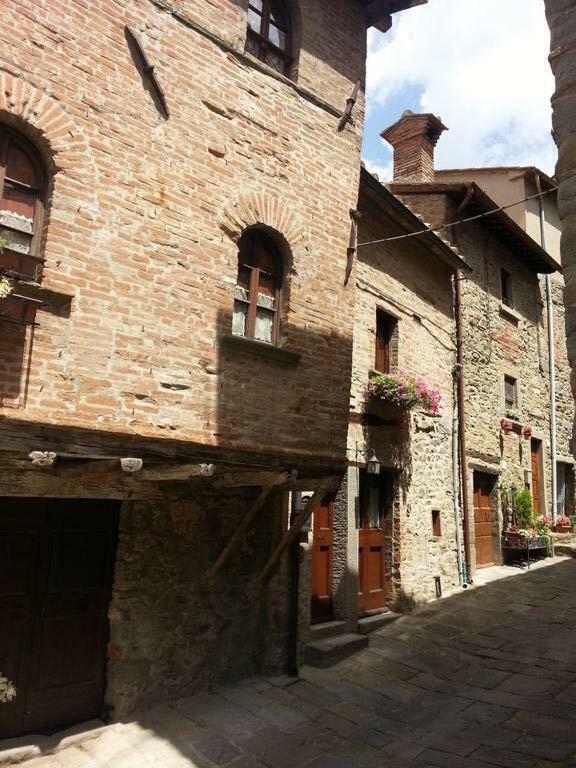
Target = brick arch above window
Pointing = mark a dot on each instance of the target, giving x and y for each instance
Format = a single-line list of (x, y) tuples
[(60, 141), (255, 209)]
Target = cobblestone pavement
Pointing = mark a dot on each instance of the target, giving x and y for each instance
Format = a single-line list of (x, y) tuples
[(486, 677)]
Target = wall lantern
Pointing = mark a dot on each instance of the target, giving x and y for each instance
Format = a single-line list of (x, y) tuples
[(528, 477), (373, 465)]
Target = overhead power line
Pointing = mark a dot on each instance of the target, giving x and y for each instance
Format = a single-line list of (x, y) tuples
[(459, 221)]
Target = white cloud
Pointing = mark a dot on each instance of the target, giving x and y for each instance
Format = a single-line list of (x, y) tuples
[(382, 170), (482, 67)]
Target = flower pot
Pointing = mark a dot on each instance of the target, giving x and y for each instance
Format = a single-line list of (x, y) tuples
[(562, 528), (527, 432), (21, 266), (18, 309), (507, 425)]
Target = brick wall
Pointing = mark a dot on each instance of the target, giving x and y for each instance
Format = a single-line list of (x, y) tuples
[(144, 214)]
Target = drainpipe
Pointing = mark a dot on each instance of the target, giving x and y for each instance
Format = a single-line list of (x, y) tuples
[(456, 482), (292, 660), (462, 425), (551, 352)]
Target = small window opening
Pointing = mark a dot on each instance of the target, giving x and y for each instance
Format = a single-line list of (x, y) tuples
[(258, 288), (510, 396), (385, 327), (436, 524), (506, 288), (269, 34)]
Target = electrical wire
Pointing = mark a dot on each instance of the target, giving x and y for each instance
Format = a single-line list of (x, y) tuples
[(459, 221)]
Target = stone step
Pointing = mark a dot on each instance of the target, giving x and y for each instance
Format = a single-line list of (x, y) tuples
[(569, 550), (369, 623), (332, 650), (328, 629)]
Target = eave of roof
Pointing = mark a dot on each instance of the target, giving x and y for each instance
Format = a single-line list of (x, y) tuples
[(394, 6), (499, 222), (548, 182), (413, 223)]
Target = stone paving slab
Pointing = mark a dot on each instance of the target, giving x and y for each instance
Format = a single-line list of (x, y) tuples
[(484, 678)]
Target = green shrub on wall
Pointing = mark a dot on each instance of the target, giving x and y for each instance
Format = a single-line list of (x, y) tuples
[(524, 509)]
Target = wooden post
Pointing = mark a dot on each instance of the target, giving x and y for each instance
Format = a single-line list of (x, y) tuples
[(247, 520), (294, 530)]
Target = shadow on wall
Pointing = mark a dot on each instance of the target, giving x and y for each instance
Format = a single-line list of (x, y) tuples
[(16, 344), (292, 397)]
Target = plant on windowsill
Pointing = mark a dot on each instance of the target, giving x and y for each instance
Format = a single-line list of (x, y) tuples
[(513, 413), (7, 690), (404, 392)]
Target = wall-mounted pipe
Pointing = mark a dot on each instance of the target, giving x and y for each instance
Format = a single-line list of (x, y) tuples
[(551, 353)]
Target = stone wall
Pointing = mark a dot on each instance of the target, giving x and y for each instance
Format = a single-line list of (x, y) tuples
[(145, 213), (410, 283), (173, 631), (562, 22)]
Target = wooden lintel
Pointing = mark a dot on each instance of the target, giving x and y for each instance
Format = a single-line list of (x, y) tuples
[(245, 523), (246, 478), (90, 468), (294, 530)]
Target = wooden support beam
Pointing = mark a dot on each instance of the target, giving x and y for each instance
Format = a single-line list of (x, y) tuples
[(247, 478), (294, 530), (110, 468), (236, 540)]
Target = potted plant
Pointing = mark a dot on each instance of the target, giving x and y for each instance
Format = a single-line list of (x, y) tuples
[(507, 425), (512, 413), (7, 690), (563, 524)]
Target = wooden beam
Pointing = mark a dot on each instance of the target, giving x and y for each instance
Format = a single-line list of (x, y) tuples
[(247, 478), (246, 522), (294, 530)]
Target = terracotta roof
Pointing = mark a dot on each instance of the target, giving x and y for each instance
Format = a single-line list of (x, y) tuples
[(412, 222), (499, 223)]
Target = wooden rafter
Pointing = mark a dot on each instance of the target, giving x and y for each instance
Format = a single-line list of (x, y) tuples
[(236, 540), (295, 528)]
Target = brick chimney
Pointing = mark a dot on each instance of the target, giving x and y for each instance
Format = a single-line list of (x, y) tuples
[(413, 138)]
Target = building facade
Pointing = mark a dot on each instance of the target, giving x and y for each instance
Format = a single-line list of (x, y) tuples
[(176, 185)]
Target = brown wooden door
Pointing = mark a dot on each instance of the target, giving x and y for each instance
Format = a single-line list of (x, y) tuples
[(56, 564), (483, 520), (375, 497), (322, 600), (536, 476)]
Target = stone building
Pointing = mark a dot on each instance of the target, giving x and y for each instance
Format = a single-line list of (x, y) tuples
[(380, 534), (505, 366), (562, 22), (176, 185)]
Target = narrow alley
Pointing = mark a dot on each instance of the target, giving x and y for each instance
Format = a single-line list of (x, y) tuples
[(481, 678)]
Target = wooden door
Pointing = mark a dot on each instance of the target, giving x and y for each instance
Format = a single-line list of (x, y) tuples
[(536, 476), (375, 499), (483, 520), (56, 564), (322, 599)]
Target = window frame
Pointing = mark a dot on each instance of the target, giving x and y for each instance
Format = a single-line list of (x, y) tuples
[(261, 39), (506, 288), (512, 382), (8, 138), (253, 286), (385, 327)]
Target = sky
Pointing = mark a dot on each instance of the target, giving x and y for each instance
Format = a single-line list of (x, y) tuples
[(479, 65)]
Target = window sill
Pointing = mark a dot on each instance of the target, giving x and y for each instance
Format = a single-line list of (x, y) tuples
[(509, 313), (261, 349)]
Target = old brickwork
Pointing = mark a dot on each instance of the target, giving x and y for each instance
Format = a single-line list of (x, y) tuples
[(133, 354), (144, 214)]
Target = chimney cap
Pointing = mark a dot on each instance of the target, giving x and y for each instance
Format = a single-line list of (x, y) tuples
[(411, 124)]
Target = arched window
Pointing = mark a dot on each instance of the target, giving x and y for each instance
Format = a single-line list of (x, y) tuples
[(269, 34), (258, 288), (22, 192)]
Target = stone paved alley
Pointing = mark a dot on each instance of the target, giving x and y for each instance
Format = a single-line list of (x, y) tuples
[(485, 677)]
